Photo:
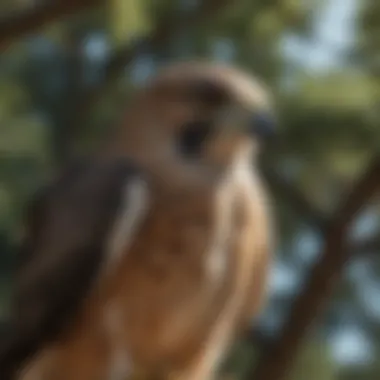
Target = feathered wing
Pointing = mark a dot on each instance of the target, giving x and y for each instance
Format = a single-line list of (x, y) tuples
[(68, 223)]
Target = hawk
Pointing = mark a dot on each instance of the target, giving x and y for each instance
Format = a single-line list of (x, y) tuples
[(150, 257)]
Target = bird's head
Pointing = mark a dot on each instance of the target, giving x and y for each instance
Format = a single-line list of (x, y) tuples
[(203, 112)]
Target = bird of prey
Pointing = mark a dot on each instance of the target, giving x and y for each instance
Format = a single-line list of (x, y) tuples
[(150, 257)]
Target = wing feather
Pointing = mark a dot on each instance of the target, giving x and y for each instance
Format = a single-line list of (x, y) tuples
[(67, 227)]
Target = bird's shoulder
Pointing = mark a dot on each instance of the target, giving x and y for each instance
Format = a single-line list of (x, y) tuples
[(67, 224)]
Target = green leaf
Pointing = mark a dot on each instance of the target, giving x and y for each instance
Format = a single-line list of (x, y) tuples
[(127, 20), (313, 363), (340, 91)]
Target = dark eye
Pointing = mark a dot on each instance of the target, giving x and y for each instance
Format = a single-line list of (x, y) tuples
[(192, 137)]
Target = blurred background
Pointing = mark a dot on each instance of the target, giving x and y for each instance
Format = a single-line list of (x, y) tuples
[(68, 67)]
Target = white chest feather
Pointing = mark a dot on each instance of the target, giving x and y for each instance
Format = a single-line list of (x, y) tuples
[(240, 179), (133, 209)]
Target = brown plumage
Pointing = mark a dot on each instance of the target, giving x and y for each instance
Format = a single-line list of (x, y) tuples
[(150, 258)]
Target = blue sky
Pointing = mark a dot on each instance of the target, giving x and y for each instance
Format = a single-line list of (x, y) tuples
[(333, 34)]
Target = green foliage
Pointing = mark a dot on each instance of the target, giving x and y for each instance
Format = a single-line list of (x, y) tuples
[(339, 92), (240, 361), (313, 363), (128, 20)]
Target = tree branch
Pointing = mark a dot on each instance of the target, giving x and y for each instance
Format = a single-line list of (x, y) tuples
[(357, 249), (19, 23), (364, 247), (275, 363), (299, 203), (297, 200)]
